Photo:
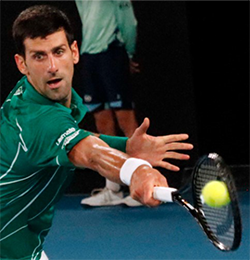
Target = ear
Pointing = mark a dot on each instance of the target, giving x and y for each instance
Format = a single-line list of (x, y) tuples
[(21, 65), (75, 52)]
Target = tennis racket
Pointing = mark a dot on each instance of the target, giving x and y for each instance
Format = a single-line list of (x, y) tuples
[(221, 225)]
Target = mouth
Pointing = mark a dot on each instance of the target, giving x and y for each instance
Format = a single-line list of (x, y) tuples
[(54, 83)]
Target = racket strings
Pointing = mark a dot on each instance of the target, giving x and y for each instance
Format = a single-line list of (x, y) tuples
[(219, 221)]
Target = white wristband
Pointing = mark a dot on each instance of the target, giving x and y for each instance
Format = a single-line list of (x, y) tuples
[(129, 167)]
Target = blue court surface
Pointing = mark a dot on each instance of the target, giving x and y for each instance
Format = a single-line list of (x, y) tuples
[(119, 232)]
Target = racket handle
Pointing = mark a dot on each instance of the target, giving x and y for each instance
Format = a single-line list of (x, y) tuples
[(163, 194)]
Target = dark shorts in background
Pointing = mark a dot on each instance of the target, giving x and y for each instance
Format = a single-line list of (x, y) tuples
[(106, 79)]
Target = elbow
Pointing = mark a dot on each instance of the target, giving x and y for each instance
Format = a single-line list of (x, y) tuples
[(85, 153)]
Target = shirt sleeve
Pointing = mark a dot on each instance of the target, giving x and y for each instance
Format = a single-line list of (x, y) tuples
[(127, 25), (115, 142), (53, 140)]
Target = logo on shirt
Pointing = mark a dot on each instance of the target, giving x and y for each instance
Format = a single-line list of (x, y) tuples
[(69, 138), (87, 98), (19, 91), (68, 132)]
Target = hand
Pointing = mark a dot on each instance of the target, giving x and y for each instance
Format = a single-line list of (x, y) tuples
[(143, 181), (156, 149), (134, 67)]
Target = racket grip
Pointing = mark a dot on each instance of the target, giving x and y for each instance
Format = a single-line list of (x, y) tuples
[(163, 194)]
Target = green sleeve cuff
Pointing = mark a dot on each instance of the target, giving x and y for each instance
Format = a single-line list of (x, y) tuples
[(115, 142)]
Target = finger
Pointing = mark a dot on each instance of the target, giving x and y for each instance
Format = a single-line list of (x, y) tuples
[(178, 146), (142, 129), (175, 138), (134, 70), (176, 156), (134, 63), (169, 166), (153, 203), (149, 200)]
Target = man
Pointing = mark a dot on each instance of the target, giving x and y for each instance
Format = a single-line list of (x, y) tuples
[(41, 143), (107, 50)]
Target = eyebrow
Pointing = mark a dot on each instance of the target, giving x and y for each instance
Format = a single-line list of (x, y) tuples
[(53, 49)]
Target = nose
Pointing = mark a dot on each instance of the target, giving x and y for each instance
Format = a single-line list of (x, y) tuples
[(52, 65)]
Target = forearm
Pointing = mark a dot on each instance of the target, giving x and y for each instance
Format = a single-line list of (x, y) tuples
[(95, 154)]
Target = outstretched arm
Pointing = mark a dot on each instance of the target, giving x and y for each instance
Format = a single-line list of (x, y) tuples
[(157, 149), (95, 154)]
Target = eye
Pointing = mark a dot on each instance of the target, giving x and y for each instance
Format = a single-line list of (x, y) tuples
[(59, 52), (38, 56)]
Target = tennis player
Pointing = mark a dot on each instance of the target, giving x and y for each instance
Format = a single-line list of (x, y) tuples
[(41, 143)]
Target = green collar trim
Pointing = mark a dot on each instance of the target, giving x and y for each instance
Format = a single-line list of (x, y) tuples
[(77, 108)]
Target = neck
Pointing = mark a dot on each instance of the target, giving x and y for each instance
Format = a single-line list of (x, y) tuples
[(66, 102)]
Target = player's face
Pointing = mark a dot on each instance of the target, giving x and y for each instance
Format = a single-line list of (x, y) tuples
[(49, 65)]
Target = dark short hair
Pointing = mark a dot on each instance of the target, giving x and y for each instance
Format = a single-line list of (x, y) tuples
[(40, 21)]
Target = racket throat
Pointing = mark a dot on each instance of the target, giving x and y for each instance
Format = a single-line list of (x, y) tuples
[(182, 202)]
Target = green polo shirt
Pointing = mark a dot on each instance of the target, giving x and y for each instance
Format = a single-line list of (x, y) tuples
[(106, 21), (36, 135)]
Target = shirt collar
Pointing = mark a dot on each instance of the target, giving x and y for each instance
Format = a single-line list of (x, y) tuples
[(77, 108), (32, 94)]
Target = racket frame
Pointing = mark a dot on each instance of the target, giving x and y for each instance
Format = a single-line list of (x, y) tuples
[(167, 194), (228, 179), (199, 217)]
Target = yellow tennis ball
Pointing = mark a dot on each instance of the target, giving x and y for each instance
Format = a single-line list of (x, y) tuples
[(215, 194)]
